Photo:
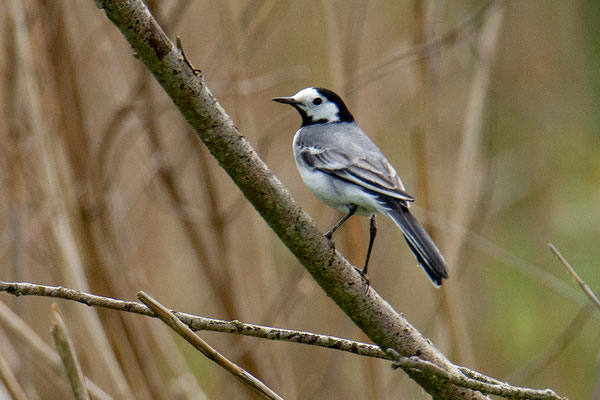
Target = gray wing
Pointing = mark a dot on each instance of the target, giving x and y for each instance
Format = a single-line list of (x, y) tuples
[(364, 167)]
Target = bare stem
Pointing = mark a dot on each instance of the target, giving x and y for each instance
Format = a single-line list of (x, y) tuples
[(66, 350), (586, 289), (185, 332)]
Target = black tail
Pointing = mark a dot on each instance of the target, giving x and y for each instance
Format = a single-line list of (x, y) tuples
[(427, 253)]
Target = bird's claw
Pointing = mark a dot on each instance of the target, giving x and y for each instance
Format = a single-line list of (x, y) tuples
[(363, 275), (331, 242)]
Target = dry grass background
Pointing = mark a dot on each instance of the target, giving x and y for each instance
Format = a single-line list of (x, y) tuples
[(105, 188)]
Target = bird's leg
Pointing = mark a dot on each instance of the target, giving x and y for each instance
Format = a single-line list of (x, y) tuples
[(352, 209), (372, 233)]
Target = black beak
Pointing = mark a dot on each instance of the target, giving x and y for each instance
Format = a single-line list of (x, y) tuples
[(285, 100)]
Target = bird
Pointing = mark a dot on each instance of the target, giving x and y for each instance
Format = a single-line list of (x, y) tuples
[(344, 169)]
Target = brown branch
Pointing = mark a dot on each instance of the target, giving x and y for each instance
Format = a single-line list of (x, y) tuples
[(462, 376), (184, 331), (197, 323), (472, 380)]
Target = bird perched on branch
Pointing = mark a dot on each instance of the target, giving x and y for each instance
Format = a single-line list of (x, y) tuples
[(347, 171)]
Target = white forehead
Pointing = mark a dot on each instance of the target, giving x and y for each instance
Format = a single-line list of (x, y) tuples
[(306, 95)]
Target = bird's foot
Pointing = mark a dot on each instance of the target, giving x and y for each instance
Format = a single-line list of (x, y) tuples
[(331, 241), (363, 275)]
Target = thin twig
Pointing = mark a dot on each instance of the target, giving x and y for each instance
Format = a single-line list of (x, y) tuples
[(66, 350), (472, 380), (575, 276), (196, 71), (197, 323), (184, 331)]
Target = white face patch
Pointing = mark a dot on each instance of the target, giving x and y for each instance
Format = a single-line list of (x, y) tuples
[(316, 106)]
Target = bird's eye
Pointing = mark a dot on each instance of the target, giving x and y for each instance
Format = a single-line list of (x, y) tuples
[(317, 101)]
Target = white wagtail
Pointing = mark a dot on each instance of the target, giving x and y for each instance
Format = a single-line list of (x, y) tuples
[(347, 171)]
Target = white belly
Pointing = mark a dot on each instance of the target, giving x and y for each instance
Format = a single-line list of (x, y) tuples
[(337, 193)]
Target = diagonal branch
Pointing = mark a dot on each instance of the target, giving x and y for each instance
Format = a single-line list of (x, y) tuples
[(169, 318), (586, 289)]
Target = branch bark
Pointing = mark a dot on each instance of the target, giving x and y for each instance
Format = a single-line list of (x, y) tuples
[(465, 377), (380, 322), (196, 323)]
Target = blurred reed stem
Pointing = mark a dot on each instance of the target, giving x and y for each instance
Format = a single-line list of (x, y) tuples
[(49, 166)]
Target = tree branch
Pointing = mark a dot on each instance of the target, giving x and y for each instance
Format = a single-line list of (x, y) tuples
[(463, 377), (197, 323), (472, 380)]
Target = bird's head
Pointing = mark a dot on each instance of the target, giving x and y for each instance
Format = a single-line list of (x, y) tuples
[(318, 106)]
